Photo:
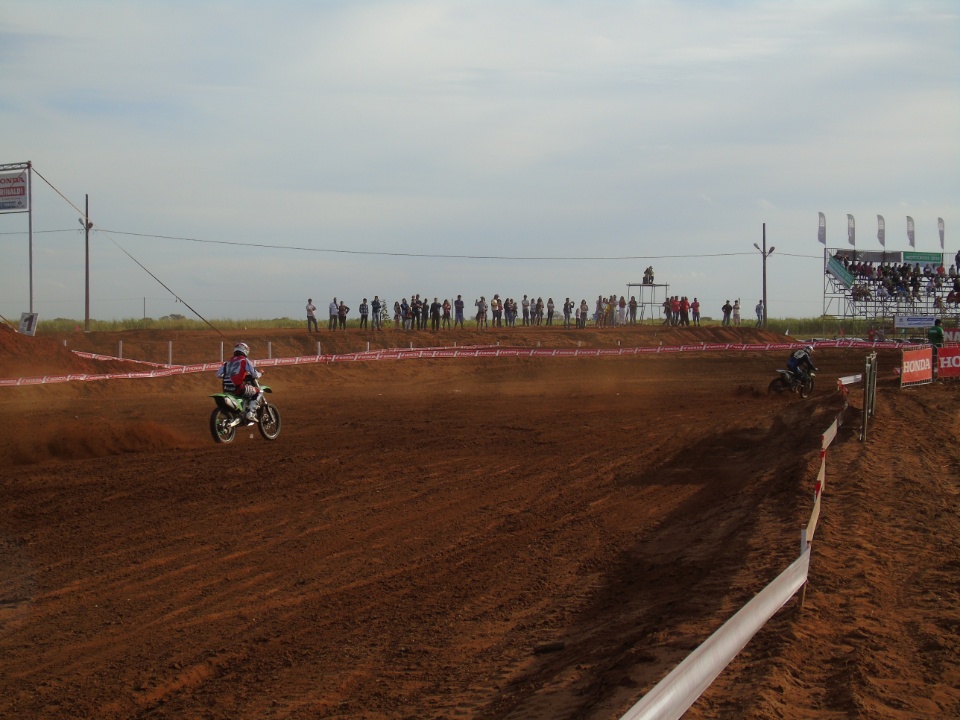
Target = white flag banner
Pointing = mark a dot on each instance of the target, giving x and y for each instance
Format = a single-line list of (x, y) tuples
[(822, 232), (881, 231), (940, 229), (851, 230), (910, 234)]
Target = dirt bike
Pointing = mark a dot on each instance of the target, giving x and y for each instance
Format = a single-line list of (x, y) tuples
[(228, 416), (786, 381)]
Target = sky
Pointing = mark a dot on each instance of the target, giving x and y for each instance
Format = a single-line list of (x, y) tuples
[(242, 157)]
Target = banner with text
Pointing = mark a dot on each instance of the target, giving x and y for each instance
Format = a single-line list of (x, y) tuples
[(917, 367), (948, 362), (15, 191)]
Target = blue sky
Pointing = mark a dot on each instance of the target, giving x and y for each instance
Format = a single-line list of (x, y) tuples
[(364, 132)]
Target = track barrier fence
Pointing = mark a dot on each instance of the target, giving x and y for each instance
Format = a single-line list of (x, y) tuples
[(674, 694)]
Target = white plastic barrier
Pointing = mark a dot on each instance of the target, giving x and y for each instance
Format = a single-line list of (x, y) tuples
[(673, 695)]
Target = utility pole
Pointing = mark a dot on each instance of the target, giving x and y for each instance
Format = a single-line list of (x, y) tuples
[(86, 230), (765, 254)]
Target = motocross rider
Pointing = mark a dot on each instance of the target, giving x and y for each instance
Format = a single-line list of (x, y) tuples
[(240, 378), (800, 363)]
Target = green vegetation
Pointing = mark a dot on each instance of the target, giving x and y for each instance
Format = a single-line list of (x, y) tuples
[(171, 322), (803, 327)]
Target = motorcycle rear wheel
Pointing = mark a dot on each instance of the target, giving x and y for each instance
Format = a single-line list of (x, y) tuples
[(220, 427), (777, 385), (269, 422)]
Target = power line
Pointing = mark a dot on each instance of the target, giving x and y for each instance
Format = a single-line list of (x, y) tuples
[(439, 255)]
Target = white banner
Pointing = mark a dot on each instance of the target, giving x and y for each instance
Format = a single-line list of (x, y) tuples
[(913, 321), (15, 191)]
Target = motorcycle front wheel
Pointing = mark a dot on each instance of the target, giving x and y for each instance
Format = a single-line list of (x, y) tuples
[(220, 427), (269, 422), (806, 389)]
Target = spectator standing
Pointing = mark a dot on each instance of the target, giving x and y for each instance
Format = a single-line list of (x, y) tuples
[(311, 316), (376, 307), (446, 314), (525, 306), (567, 311), (685, 311), (726, 310), (736, 312), (342, 311), (675, 309), (458, 312), (695, 309), (397, 314), (435, 308), (759, 309), (424, 312), (334, 314), (364, 312), (550, 308), (633, 309), (584, 312), (481, 312)]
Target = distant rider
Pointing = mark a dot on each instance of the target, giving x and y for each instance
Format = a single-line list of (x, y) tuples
[(800, 363), (240, 378)]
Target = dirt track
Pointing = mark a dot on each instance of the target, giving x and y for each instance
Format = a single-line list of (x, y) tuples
[(421, 528)]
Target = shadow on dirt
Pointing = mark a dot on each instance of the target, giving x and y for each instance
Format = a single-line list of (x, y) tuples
[(635, 629)]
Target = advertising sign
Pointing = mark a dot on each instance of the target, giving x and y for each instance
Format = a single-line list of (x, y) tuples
[(14, 192), (948, 360), (923, 257), (917, 367), (913, 321)]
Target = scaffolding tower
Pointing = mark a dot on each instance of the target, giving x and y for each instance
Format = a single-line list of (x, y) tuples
[(650, 302)]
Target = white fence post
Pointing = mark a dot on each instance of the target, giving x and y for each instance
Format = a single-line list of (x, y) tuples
[(169, 352), (120, 351)]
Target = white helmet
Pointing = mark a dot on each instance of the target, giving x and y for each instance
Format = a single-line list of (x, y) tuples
[(809, 348), (241, 349)]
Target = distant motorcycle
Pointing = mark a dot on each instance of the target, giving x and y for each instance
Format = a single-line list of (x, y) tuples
[(786, 381), (228, 416)]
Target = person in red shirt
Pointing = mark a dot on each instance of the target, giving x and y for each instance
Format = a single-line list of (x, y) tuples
[(675, 309), (240, 378), (695, 307), (684, 311)]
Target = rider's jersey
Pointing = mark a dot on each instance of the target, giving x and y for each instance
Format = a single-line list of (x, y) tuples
[(234, 372), (800, 358)]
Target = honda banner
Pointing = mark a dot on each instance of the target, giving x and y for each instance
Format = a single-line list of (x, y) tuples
[(917, 367), (14, 192), (948, 361)]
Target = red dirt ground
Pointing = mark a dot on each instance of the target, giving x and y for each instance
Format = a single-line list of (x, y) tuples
[(420, 529)]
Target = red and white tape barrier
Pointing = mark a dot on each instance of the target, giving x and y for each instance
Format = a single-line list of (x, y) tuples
[(474, 351)]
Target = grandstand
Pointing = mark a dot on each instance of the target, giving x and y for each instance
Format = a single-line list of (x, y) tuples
[(879, 286)]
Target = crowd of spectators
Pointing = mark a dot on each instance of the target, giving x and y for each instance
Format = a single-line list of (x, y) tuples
[(419, 313), (904, 282)]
